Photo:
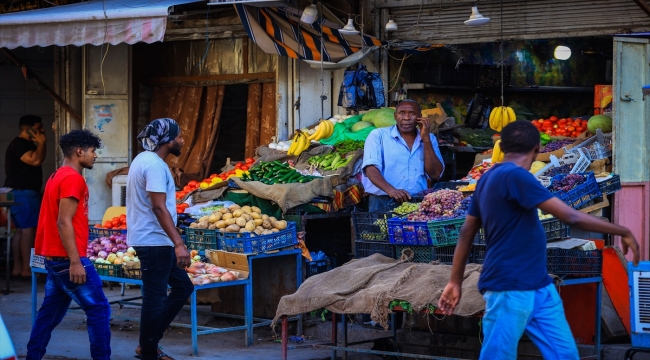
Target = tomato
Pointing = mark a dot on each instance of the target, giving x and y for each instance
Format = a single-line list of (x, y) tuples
[(574, 134), (223, 177), (98, 226), (571, 128), (584, 123), (249, 161), (244, 168), (213, 176), (180, 210), (239, 165), (547, 123), (549, 132), (184, 205), (231, 172), (187, 188), (554, 118)]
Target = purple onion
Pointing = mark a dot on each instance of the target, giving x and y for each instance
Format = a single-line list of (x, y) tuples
[(92, 258), (114, 250), (102, 254)]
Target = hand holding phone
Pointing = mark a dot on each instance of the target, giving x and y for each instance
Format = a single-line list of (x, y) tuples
[(424, 125), (31, 134)]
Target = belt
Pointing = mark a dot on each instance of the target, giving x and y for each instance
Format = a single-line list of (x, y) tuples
[(57, 258)]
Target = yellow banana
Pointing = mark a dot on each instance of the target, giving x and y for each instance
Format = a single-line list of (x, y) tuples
[(497, 118), (497, 155), (303, 144), (294, 144), (316, 134), (504, 118), (511, 114), (492, 116), (328, 129)]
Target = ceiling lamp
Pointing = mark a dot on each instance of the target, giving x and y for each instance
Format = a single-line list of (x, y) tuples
[(562, 53), (391, 25), (309, 14), (476, 18), (349, 26)]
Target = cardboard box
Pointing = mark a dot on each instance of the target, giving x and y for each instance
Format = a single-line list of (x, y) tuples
[(601, 92), (230, 261), (597, 208)]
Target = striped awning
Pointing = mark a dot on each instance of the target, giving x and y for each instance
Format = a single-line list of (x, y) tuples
[(279, 31), (90, 22)]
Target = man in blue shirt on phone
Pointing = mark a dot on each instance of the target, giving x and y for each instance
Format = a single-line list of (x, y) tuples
[(398, 160), (519, 294)]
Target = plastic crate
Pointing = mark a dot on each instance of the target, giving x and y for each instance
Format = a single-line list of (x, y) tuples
[(109, 270), (581, 194), (364, 249), (132, 273), (610, 186), (596, 147), (201, 239), (490, 76), (478, 253), (408, 232), (247, 244), (553, 228), (96, 233), (371, 226), (445, 254), (445, 232), (320, 266), (574, 262), (421, 254)]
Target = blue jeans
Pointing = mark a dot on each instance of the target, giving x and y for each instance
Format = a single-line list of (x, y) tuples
[(158, 268), (59, 292), (537, 312), (25, 215)]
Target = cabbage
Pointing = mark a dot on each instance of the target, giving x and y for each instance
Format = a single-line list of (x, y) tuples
[(602, 122), (383, 117), (360, 125)]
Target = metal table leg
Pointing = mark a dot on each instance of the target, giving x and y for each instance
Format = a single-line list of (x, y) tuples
[(299, 264), (335, 340), (344, 334), (34, 297), (599, 289), (248, 310), (193, 319), (8, 269), (285, 337)]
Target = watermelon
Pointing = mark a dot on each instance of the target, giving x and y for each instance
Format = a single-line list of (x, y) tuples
[(602, 122), (360, 125)]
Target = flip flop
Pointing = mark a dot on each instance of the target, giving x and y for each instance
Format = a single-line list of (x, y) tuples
[(161, 356)]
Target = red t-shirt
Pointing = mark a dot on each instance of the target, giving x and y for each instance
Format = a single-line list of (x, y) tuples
[(64, 183)]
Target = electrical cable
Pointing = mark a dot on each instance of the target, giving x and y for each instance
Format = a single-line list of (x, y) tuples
[(101, 63), (501, 52), (207, 38), (322, 82)]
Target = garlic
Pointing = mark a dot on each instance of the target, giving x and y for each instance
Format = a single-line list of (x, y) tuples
[(273, 145)]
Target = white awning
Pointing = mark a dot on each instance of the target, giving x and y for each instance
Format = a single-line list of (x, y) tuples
[(93, 22)]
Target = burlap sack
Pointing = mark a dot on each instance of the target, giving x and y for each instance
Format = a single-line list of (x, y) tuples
[(288, 196), (368, 285)]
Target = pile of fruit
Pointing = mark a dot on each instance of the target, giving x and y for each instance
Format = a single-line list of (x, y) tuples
[(275, 172), (555, 145), (116, 223), (110, 250), (567, 183), (406, 208), (564, 169), (555, 126), (478, 170), (441, 205), (241, 169), (501, 116), (202, 273), (240, 219)]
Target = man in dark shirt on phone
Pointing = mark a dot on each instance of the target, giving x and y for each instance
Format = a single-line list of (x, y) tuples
[(23, 160)]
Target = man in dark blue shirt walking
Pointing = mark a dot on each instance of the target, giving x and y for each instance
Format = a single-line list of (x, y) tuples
[(517, 289)]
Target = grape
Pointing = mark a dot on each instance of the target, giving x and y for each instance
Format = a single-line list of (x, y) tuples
[(564, 169), (567, 183), (441, 205), (555, 145), (406, 208)]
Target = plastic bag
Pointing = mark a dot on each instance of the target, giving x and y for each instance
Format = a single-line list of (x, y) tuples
[(206, 208)]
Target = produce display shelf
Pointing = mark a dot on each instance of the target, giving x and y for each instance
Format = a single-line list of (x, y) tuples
[(366, 248), (610, 186), (574, 262), (96, 233), (581, 194), (247, 244)]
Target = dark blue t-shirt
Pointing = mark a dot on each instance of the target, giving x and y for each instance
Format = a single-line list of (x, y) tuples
[(506, 200)]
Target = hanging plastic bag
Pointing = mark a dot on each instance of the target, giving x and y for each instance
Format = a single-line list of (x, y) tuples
[(206, 208)]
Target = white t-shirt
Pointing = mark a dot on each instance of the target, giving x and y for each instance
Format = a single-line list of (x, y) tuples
[(148, 173)]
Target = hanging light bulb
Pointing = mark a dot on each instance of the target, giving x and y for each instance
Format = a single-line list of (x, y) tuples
[(309, 14), (391, 25), (562, 53), (476, 18), (349, 26)]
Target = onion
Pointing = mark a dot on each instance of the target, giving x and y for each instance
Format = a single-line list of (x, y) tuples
[(114, 250), (97, 248), (105, 242), (92, 258), (102, 254)]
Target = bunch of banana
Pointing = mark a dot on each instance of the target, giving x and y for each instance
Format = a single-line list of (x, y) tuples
[(497, 154), (501, 116), (299, 143), (323, 131)]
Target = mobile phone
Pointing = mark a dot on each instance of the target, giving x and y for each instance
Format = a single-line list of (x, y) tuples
[(31, 133)]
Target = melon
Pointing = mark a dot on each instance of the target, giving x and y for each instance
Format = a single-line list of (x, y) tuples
[(360, 125), (602, 122)]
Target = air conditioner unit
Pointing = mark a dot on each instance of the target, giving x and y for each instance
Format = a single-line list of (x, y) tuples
[(639, 281), (258, 3), (119, 190)]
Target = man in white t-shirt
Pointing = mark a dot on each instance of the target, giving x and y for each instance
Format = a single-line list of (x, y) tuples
[(151, 215)]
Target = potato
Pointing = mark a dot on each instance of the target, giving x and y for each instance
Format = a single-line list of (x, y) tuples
[(223, 230), (246, 209), (280, 225), (259, 228), (266, 224), (272, 219), (224, 211), (213, 219), (230, 221), (258, 231), (267, 232), (234, 207), (256, 209), (237, 213), (227, 216), (255, 215), (243, 230), (241, 222), (203, 218), (265, 217), (232, 228), (202, 225), (258, 222), (250, 226), (247, 217), (193, 225), (221, 224), (212, 226), (275, 230)]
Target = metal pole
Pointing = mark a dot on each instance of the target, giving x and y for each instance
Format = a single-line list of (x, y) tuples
[(7, 271), (285, 337)]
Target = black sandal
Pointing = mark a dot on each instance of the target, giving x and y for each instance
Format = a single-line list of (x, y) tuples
[(160, 356)]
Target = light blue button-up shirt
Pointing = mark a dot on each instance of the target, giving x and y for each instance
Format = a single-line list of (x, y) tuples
[(402, 168)]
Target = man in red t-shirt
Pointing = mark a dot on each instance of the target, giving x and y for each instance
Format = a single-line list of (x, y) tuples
[(62, 238)]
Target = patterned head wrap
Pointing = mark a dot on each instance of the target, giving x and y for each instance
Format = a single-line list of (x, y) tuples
[(158, 132)]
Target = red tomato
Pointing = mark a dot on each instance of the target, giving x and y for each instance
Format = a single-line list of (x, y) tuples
[(213, 176), (547, 124), (562, 122), (108, 224), (574, 134), (549, 132), (554, 118), (250, 161), (239, 165), (180, 210), (571, 128), (580, 129), (244, 168), (98, 225), (193, 183), (116, 223), (187, 188), (223, 177), (231, 172)]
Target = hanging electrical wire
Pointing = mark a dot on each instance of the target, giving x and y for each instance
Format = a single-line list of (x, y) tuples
[(501, 52)]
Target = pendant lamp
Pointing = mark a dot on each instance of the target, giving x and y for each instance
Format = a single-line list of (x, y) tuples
[(476, 18)]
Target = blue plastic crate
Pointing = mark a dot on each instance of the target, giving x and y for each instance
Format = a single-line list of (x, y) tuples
[(610, 186), (249, 244), (96, 233), (581, 194), (403, 232), (320, 266)]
